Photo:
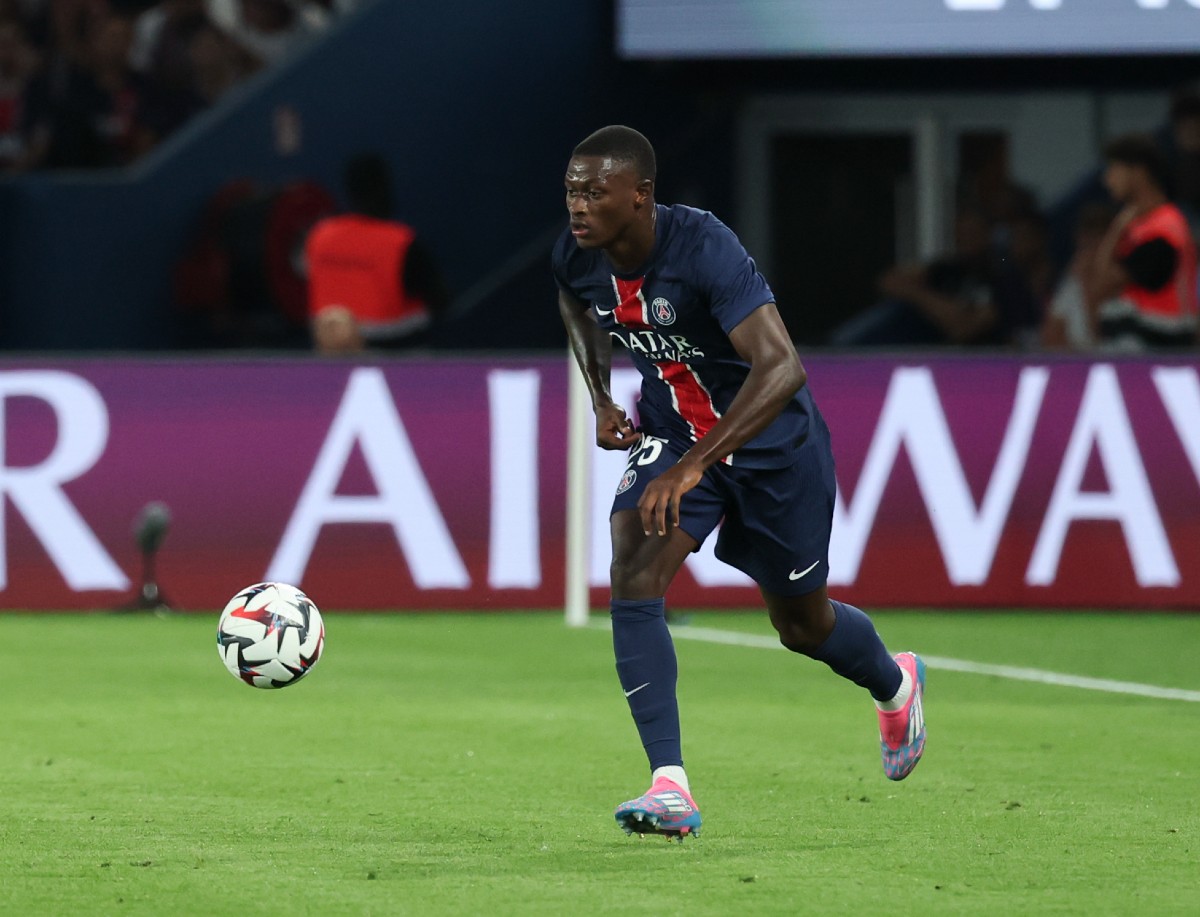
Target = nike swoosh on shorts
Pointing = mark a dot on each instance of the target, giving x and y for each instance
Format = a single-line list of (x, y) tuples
[(804, 572)]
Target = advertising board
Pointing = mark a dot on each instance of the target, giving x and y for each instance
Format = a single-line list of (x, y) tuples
[(983, 481)]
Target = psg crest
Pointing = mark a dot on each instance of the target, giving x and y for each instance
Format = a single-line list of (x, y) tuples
[(627, 480), (663, 311)]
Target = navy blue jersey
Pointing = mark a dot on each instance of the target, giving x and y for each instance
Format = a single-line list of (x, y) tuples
[(674, 316)]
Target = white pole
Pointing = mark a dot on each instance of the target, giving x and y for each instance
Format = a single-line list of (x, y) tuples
[(580, 442)]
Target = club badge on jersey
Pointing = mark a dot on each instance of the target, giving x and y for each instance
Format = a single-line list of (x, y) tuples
[(663, 311)]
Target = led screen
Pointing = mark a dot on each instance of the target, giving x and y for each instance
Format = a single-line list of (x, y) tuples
[(833, 28)]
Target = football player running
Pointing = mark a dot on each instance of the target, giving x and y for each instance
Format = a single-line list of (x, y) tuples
[(728, 430)]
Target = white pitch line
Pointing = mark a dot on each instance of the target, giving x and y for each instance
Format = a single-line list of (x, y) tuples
[(1016, 673), (1058, 678)]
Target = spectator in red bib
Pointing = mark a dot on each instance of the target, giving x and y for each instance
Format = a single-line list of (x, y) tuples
[(372, 285), (1142, 284)]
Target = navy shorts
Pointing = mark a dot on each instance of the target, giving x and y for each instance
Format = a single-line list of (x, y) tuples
[(776, 521)]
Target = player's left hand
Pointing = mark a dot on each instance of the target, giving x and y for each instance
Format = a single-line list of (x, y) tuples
[(659, 505)]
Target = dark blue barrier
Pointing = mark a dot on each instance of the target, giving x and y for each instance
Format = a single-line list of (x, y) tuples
[(476, 109)]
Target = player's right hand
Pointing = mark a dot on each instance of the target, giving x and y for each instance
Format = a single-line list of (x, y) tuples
[(613, 429)]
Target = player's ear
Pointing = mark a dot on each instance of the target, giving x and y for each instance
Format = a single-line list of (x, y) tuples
[(645, 190)]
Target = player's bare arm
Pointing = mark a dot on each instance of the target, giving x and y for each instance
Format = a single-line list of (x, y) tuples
[(592, 348), (776, 374)]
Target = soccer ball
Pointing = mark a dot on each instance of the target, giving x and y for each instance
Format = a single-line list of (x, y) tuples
[(270, 635)]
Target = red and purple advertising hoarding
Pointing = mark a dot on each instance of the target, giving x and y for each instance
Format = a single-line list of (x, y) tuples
[(441, 483)]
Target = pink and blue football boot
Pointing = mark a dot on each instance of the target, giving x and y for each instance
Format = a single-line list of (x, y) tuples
[(666, 808), (902, 732)]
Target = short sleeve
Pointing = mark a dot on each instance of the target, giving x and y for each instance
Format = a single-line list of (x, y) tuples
[(728, 277), (558, 262)]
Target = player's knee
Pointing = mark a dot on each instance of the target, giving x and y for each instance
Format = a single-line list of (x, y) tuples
[(635, 581), (804, 626), (796, 637)]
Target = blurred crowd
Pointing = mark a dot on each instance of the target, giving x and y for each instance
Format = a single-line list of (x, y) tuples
[(1110, 267), (95, 83)]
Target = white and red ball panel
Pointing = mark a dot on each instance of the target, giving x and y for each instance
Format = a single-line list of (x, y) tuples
[(270, 635)]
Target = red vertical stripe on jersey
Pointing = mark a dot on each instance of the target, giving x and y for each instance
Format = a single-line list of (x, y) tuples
[(692, 400), (631, 305)]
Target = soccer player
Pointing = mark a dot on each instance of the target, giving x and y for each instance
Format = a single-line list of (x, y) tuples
[(727, 431)]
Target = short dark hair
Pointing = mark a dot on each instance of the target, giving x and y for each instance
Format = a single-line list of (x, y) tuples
[(1140, 150), (622, 144), (367, 180)]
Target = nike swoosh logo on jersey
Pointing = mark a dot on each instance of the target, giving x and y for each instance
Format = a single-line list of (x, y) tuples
[(794, 575), (638, 688), (600, 311)]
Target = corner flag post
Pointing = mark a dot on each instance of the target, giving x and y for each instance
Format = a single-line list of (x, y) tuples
[(580, 435)]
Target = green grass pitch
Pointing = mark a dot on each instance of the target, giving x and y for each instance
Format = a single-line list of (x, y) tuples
[(469, 764)]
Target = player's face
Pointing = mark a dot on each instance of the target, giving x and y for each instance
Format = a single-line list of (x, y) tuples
[(604, 199)]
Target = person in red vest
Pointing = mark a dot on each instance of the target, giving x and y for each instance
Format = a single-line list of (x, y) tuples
[(1143, 284), (371, 284)]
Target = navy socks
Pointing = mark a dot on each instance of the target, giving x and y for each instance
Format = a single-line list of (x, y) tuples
[(854, 651), (648, 671)]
